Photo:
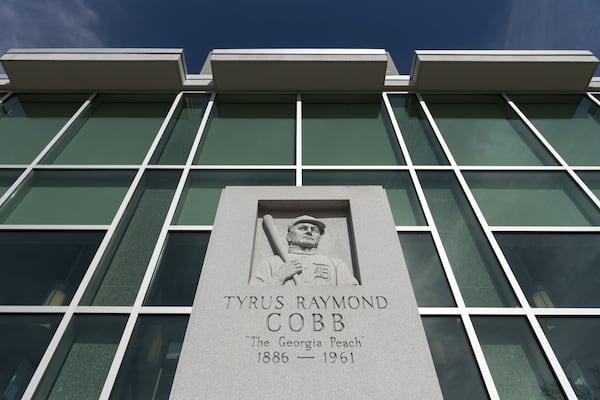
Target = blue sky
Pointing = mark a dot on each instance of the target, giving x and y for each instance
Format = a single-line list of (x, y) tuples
[(398, 26)]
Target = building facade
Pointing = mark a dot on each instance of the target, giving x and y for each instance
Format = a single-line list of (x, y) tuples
[(112, 163)]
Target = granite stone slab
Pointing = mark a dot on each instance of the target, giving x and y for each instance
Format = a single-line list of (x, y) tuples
[(317, 340)]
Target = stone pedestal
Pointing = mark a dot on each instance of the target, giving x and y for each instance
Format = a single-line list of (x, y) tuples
[(249, 341)]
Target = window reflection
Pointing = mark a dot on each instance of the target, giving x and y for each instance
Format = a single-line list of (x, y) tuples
[(518, 367), (555, 269), (29, 121), (70, 197), (7, 178), (151, 359), (178, 271), (484, 130), (347, 130), (24, 341), (44, 267), (120, 273), (248, 130), (574, 342), (455, 365), (419, 137), (82, 360), (480, 278), (571, 123), (592, 180), (179, 135), (115, 129), (425, 269), (531, 199)]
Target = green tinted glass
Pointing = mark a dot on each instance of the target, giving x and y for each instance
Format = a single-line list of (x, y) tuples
[(177, 140), (201, 194), (124, 264), (44, 267), (347, 130), (178, 271), (67, 197), (454, 362), (83, 358), (592, 180), (571, 123), (420, 139), (28, 122), (531, 198), (7, 178), (480, 278), (116, 129), (483, 130), (425, 269), (151, 359), (398, 186), (573, 340), (555, 269), (249, 130), (518, 367), (24, 341)]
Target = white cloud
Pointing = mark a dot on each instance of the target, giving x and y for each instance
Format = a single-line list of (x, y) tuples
[(553, 24), (41, 23)]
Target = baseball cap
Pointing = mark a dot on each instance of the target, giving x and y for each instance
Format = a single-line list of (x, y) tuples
[(309, 219)]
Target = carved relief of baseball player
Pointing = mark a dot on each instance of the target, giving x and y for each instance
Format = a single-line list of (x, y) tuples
[(300, 264)]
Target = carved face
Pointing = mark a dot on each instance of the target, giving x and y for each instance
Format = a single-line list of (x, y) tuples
[(304, 234)]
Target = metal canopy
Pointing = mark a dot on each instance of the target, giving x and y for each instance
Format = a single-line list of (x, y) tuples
[(94, 69), (297, 70), (316, 70), (503, 71)]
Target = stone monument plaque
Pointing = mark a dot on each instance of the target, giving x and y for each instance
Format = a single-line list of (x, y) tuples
[(304, 294)]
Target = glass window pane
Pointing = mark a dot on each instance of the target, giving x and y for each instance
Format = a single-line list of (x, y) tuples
[(573, 342), (116, 129), (480, 278), (592, 180), (420, 139), (425, 269), (44, 268), (516, 362), (201, 194), (398, 186), (83, 357), (24, 341), (67, 197), (149, 365), (247, 130), (571, 123), (484, 130), (347, 130), (7, 178), (177, 140), (124, 264), (454, 362), (29, 121), (555, 269), (178, 271), (531, 198)]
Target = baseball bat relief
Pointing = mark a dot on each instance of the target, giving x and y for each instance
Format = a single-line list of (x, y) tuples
[(278, 247)]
